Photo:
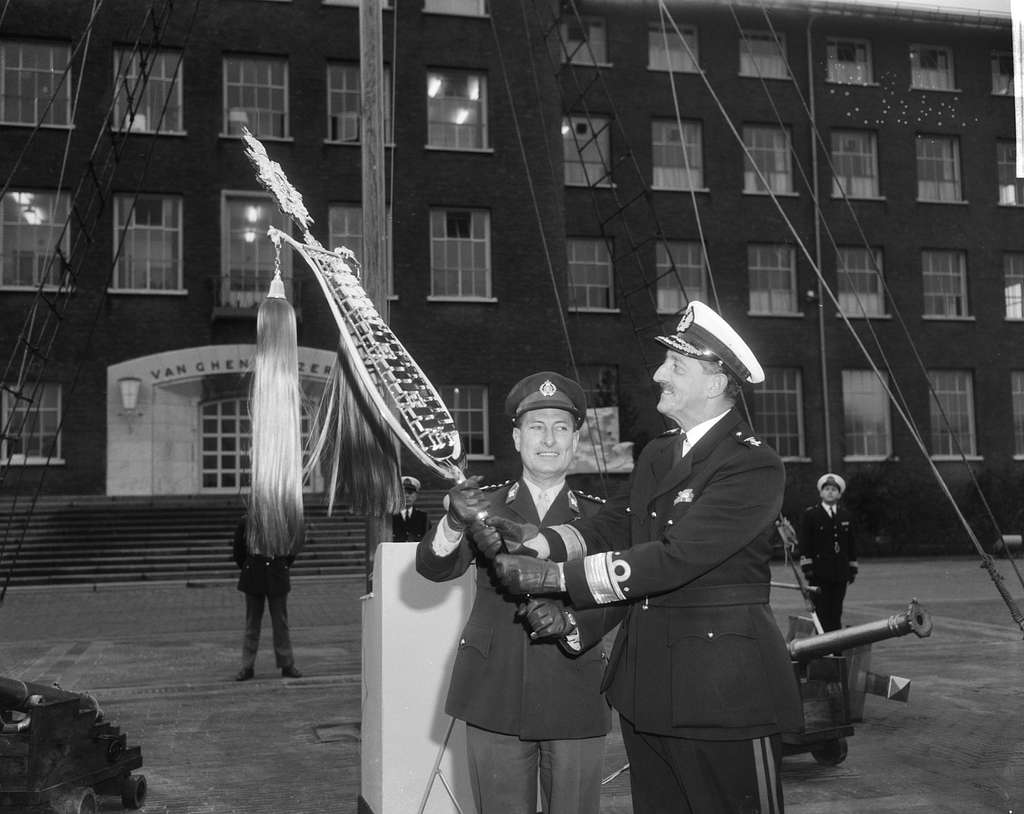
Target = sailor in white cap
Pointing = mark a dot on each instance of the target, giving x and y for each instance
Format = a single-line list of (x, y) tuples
[(828, 550), (699, 674), (410, 524)]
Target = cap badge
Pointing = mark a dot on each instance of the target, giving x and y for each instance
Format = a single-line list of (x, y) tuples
[(686, 321), (685, 496), (548, 389), (690, 348)]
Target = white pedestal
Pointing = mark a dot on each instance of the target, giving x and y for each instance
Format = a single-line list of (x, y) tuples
[(411, 630)]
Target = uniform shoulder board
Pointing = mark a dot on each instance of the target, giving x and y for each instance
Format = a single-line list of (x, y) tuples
[(585, 496), (747, 438), (490, 487)]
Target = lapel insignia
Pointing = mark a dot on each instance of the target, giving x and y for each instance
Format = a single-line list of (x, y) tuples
[(512, 492), (685, 496), (574, 503), (751, 441)]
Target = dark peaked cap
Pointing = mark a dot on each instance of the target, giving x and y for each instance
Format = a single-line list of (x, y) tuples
[(545, 390)]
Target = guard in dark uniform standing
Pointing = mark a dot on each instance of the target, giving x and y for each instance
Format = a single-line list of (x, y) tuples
[(533, 709), (699, 673), (828, 550)]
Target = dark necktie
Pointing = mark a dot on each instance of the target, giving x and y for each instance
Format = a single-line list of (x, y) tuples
[(682, 444)]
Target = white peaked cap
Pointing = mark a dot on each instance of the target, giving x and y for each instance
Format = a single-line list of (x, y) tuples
[(703, 334)]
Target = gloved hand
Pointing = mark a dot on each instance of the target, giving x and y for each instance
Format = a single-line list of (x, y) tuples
[(465, 502), (808, 569), (514, 534), (486, 539), (548, 620), (853, 573), (527, 575)]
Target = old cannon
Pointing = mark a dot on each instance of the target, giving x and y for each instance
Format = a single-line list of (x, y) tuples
[(57, 753), (834, 673)]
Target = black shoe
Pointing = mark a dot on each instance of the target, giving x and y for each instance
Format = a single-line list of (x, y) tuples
[(244, 674), (290, 672)]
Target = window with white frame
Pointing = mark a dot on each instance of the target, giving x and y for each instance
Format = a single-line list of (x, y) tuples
[(672, 50), (952, 413), (938, 168), (677, 154), (466, 8), (249, 256), (34, 88), (150, 255), (460, 253), (772, 279), (344, 102), (31, 424), (33, 226), (866, 417), (226, 438), (1011, 188), (586, 146), (944, 277), (256, 96), (584, 40), (345, 228), (768, 164), (590, 275), (931, 67), (1017, 402), (467, 404), (848, 61), (778, 405), (148, 94), (1013, 284), (682, 274), (859, 274), (763, 55), (1002, 73), (855, 164), (457, 110)]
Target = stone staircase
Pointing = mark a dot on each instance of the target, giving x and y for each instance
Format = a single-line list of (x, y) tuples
[(88, 540)]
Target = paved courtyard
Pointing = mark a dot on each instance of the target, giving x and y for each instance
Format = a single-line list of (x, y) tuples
[(160, 658)]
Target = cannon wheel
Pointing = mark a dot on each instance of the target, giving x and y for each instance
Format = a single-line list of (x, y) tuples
[(831, 753), (133, 791), (80, 800)]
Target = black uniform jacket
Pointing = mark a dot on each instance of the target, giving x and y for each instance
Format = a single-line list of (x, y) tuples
[(260, 575), (411, 530), (502, 681), (829, 542), (699, 653)]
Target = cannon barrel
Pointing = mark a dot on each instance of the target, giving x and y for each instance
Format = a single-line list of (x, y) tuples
[(914, 619), (13, 693)]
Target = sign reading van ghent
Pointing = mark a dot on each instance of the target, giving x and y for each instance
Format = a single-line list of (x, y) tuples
[(190, 367)]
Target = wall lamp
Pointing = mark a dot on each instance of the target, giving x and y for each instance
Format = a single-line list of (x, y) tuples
[(129, 389)]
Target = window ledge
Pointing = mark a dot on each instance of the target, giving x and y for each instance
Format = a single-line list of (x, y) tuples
[(40, 126), (470, 300), (155, 292), (957, 458), (1011, 205), (864, 316), (602, 185), (437, 148), (31, 289), (238, 137), (388, 145), (961, 202), (783, 314), (866, 459), (936, 90), (176, 133), (580, 63), (840, 84), (768, 194), (796, 459), (762, 76), (573, 310), (672, 70), (437, 13), (702, 190), (869, 198), (1014, 319), (20, 460), (941, 318)]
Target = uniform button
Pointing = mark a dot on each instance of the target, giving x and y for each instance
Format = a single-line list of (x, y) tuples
[(462, 641), (654, 514), (626, 590), (711, 635), (670, 522)]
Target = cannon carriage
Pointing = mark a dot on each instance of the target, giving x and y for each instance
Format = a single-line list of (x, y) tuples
[(58, 753)]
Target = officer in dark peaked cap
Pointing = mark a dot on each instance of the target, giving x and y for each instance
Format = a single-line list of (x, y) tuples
[(532, 707), (699, 674)]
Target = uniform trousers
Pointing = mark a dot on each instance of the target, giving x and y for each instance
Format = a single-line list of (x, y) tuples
[(687, 776), (503, 771), (278, 620), (828, 604)]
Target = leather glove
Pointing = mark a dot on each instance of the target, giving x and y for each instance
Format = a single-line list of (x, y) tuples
[(548, 620), (527, 575), (465, 502), (514, 534), (853, 574), (486, 539), (808, 570)]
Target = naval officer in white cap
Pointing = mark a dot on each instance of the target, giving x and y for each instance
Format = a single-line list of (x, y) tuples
[(699, 674), (828, 550)]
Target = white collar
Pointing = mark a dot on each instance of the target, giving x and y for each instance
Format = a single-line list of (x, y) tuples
[(536, 491), (696, 433)]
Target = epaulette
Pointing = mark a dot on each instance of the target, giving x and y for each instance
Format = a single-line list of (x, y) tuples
[(747, 438), (585, 496)]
